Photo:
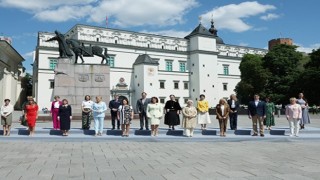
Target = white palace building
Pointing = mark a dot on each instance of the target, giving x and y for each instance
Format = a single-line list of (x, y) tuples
[(200, 63)]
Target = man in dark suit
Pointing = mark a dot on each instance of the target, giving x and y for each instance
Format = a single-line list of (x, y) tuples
[(113, 106), (257, 112), (141, 107)]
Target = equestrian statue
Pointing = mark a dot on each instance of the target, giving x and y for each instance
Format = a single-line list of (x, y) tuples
[(78, 49)]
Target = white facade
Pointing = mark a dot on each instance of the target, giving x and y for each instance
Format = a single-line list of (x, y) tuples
[(186, 67), (11, 72)]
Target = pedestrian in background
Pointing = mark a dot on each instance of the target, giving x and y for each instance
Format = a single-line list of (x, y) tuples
[(65, 117), (203, 112), (233, 115), (271, 109), (99, 109), (305, 118), (113, 106), (31, 115), (189, 121), (154, 114), (55, 111), (222, 111), (125, 115), (294, 114), (6, 117), (86, 108), (173, 109)]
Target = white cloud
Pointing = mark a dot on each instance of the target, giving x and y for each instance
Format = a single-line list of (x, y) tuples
[(269, 16), (171, 33), (122, 12), (143, 12), (28, 55), (38, 5), (307, 49), (232, 16), (243, 44), (63, 13)]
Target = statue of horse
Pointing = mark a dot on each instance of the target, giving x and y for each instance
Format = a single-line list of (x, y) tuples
[(80, 51)]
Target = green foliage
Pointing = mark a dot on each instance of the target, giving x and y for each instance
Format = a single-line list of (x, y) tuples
[(309, 80), (26, 84), (253, 77), (274, 75)]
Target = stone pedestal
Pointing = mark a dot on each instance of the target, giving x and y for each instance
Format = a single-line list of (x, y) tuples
[(74, 81)]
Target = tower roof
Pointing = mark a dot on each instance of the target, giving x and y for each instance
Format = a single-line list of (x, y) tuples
[(145, 59), (199, 30)]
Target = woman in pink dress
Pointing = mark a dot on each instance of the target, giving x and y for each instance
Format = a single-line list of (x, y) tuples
[(55, 112)]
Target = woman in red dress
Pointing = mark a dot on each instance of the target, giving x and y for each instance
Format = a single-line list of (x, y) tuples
[(31, 114)]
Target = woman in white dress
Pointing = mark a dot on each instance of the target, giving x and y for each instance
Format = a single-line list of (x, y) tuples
[(189, 121), (203, 112), (154, 114)]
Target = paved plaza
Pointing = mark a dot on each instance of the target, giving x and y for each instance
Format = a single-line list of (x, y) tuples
[(81, 156)]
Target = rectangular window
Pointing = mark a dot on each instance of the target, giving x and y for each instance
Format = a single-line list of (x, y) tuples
[(52, 63), (168, 65), (186, 85), (51, 81), (176, 85), (226, 69), (162, 85), (186, 100), (111, 61), (162, 99), (225, 86), (182, 67)]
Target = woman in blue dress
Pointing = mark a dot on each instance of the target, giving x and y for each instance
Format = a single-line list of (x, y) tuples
[(305, 110)]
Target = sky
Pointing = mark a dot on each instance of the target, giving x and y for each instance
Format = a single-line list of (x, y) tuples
[(244, 23)]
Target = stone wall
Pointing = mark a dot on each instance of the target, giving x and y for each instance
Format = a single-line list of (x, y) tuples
[(74, 81)]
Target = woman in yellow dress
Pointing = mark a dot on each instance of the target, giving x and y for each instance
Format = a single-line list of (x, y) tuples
[(203, 112)]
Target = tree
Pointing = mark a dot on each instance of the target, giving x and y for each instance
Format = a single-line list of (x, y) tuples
[(26, 84), (283, 62), (253, 78), (309, 81)]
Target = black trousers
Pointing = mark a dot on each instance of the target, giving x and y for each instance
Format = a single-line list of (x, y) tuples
[(113, 119), (233, 120), (143, 120)]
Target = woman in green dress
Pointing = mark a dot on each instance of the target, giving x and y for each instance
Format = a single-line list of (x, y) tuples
[(269, 121)]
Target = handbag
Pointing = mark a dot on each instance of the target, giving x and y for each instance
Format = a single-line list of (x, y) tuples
[(23, 121)]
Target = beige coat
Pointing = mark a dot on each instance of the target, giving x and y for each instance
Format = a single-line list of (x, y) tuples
[(189, 117)]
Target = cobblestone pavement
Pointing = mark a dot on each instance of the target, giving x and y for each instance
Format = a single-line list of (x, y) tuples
[(166, 157), (160, 160)]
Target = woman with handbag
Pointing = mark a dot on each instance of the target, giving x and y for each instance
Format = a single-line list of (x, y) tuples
[(154, 114)]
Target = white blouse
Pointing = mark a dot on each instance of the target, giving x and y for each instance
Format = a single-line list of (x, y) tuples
[(222, 110), (87, 104)]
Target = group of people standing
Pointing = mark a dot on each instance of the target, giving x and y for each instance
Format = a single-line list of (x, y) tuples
[(152, 112), (262, 113), (121, 111)]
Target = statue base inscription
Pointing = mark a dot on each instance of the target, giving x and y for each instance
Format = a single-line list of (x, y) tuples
[(74, 81)]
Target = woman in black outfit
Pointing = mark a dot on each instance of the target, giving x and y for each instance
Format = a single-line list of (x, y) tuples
[(65, 116), (172, 109)]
